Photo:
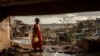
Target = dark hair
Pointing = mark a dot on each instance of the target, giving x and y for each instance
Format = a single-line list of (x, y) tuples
[(36, 19)]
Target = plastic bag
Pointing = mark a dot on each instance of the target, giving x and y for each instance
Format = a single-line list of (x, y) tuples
[(36, 39)]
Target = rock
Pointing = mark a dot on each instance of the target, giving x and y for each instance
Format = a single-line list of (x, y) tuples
[(25, 49), (67, 47), (60, 51), (16, 46)]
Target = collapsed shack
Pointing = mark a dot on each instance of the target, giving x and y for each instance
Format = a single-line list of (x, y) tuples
[(19, 29)]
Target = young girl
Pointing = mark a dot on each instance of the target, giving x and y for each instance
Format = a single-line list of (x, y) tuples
[(37, 36)]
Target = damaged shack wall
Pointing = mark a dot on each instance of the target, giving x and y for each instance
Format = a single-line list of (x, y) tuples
[(4, 33)]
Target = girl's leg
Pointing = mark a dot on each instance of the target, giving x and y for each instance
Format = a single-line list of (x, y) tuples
[(34, 49), (41, 50)]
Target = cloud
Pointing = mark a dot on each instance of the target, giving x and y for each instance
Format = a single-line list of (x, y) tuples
[(93, 13), (46, 19)]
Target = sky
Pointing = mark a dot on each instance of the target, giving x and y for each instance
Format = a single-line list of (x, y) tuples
[(48, 19)]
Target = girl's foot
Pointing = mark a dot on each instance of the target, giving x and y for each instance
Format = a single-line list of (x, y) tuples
[(41, 50)]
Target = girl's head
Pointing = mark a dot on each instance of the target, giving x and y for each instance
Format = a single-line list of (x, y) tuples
[(37, 20)]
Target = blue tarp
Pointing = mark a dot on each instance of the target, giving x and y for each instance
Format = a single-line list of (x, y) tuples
[(79, 35)]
